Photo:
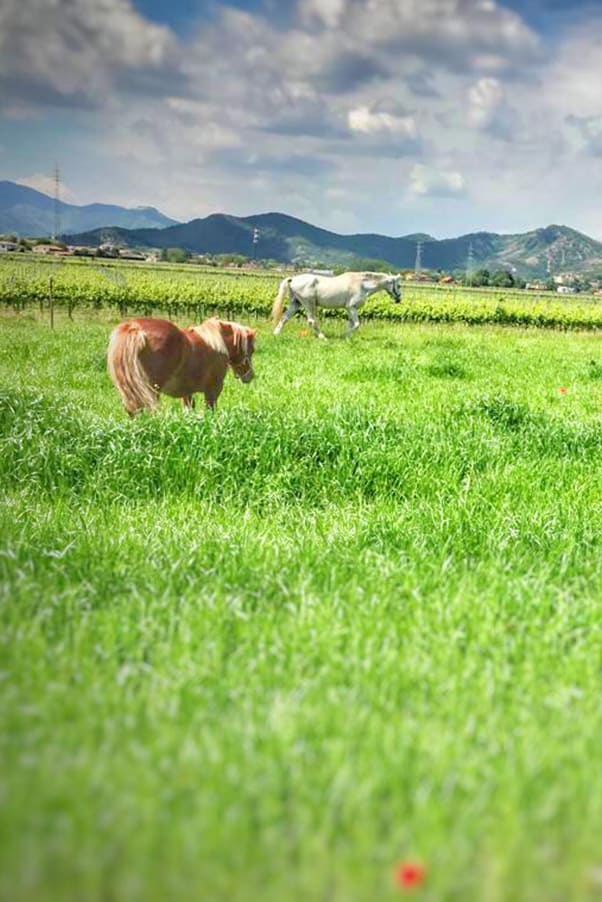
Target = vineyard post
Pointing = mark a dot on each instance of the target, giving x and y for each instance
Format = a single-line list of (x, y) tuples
[(51, 302)]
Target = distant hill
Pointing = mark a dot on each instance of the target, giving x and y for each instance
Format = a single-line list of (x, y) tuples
[(27, 212), (285, 238)]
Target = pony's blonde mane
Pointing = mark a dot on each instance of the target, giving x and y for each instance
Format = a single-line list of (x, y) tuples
[(211, 333), (240, 337)]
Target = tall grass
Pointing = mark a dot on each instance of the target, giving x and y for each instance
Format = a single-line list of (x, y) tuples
[(352, 618)]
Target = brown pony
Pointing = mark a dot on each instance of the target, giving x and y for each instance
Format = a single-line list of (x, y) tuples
[(149, 356)]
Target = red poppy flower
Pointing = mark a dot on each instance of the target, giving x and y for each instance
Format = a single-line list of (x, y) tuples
[(409, 875), (303, 333), (563, 391)]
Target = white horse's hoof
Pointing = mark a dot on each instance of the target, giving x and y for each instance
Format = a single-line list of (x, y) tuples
[(323, 337)]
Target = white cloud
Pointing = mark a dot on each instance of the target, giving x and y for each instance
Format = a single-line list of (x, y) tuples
[(54, 50), (574, 74), (46, 184), (456, 32), (484, 99), (426, 180), (326, 12), (354, 99), (364, 120)]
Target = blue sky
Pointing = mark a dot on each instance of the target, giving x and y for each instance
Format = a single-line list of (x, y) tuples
[(397, 116)]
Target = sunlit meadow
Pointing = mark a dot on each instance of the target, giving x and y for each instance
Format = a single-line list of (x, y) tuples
[(352, 619)]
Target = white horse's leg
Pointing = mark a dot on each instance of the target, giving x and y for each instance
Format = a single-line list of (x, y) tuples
[(354, 321), (293, 308), (312, 318)]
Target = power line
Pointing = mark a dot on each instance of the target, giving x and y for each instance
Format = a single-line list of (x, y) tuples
[(470, 263), (418, 262), (57, 213)]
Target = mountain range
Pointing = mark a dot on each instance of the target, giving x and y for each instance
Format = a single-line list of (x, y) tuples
[(535, 254), (27, 212)]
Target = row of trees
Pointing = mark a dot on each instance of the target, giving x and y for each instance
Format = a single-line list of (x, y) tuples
[(483, 277), (501, 278)]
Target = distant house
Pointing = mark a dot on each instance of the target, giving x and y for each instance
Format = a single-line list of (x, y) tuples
[(566, 289), (131, 255), (447, 280), (7, 246), (54, 249), (82, 251), (565, 278), (108, 250), (153, 257), (536, 286), (419, 277)]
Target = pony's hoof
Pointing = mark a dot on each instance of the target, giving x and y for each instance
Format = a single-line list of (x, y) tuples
[(323, 337)]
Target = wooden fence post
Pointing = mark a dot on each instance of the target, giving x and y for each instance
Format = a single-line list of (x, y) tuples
[(51, 301)]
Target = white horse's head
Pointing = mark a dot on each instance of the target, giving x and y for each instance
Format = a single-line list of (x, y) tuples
[(393, 287)]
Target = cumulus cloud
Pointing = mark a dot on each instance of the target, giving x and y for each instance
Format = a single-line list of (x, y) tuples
[(574, 74), (348, 70), (75, 52), (428, 181), (248, 161), (484, 97), (342, 99), (364, 120), (323, 12), (45, 184), (489, 110), (589, 129), (457, 33)]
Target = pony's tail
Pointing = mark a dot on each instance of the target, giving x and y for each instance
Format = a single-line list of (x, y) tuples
[(283, 292), (126, 371)]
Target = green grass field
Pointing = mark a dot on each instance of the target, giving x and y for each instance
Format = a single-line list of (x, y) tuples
[(352, 619)]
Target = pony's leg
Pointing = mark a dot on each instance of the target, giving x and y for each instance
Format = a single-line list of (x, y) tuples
[(212, 394), (293, 308), (188, 402), (354, 321), (312, 319)]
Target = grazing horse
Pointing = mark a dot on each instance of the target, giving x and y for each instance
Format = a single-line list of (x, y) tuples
[(148, 356), (348, 290)]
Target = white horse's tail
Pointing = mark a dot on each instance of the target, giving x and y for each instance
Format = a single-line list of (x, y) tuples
[(126, 371), (283, 292)]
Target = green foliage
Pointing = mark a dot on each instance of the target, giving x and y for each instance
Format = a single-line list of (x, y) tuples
[(481, 277), (357, 264), (502, 278), (187, 291), (175, 255)]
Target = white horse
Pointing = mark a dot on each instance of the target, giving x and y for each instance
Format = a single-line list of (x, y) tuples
[(348, 290)]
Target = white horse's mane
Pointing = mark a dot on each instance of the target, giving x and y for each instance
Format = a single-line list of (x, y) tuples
[(380, 276), (211, 333)]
